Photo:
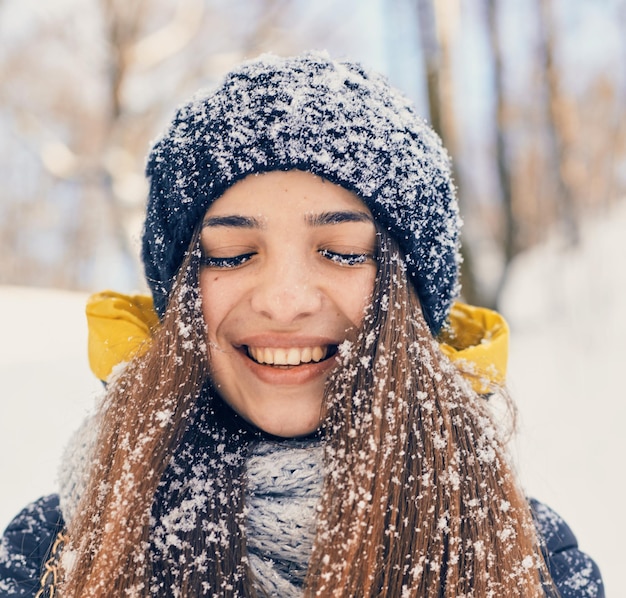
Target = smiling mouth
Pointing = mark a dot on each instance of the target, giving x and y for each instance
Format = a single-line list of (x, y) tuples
[(292, 356)]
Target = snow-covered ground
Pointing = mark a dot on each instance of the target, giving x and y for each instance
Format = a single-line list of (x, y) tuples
[(46, 388), (567, 311), (568, 333)]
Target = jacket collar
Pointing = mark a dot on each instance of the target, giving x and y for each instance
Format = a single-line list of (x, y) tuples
[(477, 340)]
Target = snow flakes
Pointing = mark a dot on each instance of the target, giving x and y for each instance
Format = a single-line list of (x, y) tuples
[(365, 360), (370, 338), (312, 113), (344, 350), (442, 524), (184, 329), (383, 302), (479, 550), (439, 441), (528, 562), (487, 454), (164, 416), (507, 534), (68, 558)]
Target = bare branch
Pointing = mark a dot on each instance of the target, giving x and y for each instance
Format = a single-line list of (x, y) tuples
[(157, 47)]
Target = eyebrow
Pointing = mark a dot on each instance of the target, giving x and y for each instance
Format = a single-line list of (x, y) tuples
[(315, 220), (232, 222), (329, 218)]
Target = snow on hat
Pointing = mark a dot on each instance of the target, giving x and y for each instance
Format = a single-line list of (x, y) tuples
[(312, 113)]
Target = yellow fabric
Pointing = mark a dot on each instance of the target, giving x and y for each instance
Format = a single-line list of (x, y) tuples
[(120, 327), (478, 340)]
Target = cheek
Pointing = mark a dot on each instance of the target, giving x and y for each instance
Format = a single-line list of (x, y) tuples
[(224, 301)]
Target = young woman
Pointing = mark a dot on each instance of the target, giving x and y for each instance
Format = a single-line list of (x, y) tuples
[(307, 414)]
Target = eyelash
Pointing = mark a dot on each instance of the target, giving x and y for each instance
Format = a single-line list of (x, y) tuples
[(343, 259), (225, 263)]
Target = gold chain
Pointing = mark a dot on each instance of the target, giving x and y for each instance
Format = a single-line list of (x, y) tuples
[(50, 576)]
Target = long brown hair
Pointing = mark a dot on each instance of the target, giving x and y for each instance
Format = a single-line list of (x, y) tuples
[(418, 497), (142, 424)]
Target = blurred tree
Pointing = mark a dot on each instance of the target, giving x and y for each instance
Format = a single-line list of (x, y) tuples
[(86, 85), (509, 234), (559, 124), (555, 151), (437, 23)]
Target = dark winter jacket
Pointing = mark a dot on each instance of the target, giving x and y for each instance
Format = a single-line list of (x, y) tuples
[(27, 541)]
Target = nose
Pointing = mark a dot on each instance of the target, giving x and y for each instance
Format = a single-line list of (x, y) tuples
[(286, 291)]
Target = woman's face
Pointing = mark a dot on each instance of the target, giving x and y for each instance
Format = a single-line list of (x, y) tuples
[(287, 272)]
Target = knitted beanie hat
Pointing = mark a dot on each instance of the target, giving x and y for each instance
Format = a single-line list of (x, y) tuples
[(333, 119)]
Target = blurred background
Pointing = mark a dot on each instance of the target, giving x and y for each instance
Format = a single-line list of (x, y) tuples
[(529, 98)]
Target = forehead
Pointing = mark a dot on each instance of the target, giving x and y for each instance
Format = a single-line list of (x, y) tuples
[(292, 192)]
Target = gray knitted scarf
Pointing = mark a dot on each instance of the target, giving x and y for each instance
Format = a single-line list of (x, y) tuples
[(283, 488)]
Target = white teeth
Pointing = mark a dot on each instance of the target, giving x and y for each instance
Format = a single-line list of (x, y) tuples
[(318, 353), (290, 356), (280, 357), (293, 357)]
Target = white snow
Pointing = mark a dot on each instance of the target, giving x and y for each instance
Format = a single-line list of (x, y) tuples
[(46, 389), (568, 335)]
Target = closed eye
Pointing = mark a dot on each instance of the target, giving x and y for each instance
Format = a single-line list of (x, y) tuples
[(345, 259), (226, 262)]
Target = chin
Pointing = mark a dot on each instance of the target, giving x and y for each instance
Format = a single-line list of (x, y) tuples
[(287, 430), (287, 427)]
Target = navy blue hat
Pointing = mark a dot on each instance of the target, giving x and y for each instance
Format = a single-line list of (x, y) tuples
[(311, 113)]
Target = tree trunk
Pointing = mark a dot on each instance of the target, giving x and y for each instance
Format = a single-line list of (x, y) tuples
[(509, 242), (557, 127), (436, 20)]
